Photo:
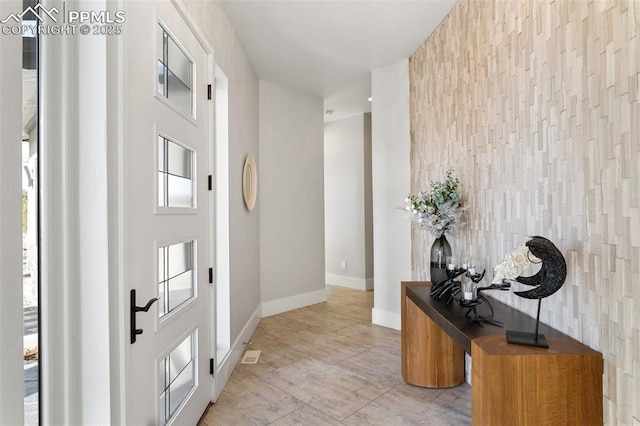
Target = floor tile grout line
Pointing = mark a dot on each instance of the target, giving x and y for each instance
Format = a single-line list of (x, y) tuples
[(325, 413), (360, 338), (281, 390), (370, 402)]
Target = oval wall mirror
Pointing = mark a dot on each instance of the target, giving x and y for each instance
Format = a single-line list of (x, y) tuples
[(250, 182)]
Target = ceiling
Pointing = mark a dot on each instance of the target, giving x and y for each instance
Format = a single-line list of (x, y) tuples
[(328, 48)]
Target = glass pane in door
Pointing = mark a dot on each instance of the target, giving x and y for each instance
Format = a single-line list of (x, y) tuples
[(176, 374), (176, 279), (175, 181), (175, 72)]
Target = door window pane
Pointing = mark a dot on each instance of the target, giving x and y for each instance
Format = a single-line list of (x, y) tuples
[(175, 73), (176, 378), (179, 160), (178, 62), (177, 91), (176, 279), (179, 192), (175, 182)]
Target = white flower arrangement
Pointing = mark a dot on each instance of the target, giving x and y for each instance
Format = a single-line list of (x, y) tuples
[(514, 263), (440, 210)]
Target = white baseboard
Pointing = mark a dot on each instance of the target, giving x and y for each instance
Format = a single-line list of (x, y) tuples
[(385, 319), (349, 282), (369, 284), (224, 369), (467, 368), (278, 306)]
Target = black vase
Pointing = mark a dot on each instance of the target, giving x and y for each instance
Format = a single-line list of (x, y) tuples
[(439, 252)]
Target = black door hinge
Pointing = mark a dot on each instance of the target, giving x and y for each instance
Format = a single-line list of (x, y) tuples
[(209, 92), (210, 275), (211, 367), (210, 182)]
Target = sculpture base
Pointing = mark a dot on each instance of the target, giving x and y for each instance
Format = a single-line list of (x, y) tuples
[(527, 339)]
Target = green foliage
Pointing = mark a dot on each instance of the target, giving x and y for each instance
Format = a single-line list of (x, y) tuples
[(439, 210)]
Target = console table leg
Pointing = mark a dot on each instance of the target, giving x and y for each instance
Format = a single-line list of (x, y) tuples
[(525, 385), (430, 357)]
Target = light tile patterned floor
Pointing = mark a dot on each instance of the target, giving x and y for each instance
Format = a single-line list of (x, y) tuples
[(328, 365)]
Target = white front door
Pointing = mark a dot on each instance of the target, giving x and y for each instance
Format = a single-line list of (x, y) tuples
[(166, 216)]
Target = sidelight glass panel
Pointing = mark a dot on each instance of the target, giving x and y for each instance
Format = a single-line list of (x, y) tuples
[(176, 278), (176, 373), (30, 210), (175, 174), (175, 73)]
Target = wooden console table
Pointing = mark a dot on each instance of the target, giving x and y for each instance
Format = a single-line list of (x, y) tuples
[(511, 384)]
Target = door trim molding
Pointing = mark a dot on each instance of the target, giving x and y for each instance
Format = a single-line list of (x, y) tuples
[(76, 303), (11, 356), (225, 368)]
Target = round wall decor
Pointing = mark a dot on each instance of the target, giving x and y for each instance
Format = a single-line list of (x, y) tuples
[(250, 182)]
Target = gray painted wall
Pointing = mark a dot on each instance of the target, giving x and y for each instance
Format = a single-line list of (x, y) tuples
[(348, 219), (391, 184), (291, 197)]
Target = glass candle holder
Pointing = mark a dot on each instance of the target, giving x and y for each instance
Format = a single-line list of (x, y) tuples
[(469, 290), (471, 267), (451, 263)]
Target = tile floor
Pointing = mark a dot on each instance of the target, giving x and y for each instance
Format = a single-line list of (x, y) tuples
[(328, 365)]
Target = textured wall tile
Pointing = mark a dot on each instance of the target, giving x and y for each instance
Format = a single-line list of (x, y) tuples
[(535, 104)]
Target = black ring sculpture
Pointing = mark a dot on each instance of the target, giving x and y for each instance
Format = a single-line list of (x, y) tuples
[(551, 276), (548, 280)]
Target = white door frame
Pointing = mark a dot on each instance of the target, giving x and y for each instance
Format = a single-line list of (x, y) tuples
[(76, 300)]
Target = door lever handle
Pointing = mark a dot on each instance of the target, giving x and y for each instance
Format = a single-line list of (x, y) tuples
[(134, 309), (146, 307)]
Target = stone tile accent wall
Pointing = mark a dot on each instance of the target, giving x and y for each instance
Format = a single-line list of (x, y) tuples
[(535, 104)]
